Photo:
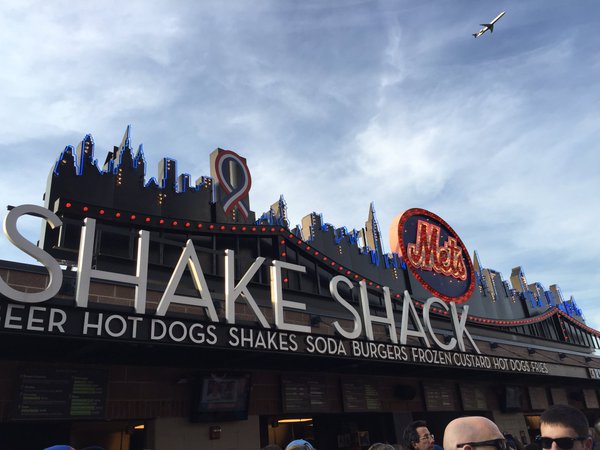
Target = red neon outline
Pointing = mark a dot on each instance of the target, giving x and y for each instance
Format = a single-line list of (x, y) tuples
[(293, 240), (447, 298)]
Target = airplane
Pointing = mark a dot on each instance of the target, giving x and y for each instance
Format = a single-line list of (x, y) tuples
[(488, 26)]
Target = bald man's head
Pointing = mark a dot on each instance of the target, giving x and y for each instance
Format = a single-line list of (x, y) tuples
[(472, 429)]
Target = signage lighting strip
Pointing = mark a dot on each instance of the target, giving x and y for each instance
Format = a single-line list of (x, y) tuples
[(79, 209)]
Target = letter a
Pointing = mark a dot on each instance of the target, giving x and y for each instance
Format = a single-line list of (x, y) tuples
[(188, 258), (408, 309)]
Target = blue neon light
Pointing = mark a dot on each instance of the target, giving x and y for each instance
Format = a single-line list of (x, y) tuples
[(66, 154)]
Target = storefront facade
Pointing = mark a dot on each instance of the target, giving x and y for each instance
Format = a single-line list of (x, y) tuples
[(166, 315)]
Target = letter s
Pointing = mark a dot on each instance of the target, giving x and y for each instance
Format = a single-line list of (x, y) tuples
[(51, 265)]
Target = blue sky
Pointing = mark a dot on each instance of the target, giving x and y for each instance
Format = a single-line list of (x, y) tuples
[(335, 104)]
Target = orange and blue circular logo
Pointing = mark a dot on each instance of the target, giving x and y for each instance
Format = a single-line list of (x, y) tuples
[(434, 254)]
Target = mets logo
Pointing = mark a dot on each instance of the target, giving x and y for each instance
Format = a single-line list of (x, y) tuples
[(434, 254)]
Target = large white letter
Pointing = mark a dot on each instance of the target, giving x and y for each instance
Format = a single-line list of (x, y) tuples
[(85, 272), (233, 292), (460, 327), (426, 309), (408, 308), (388, 319), (53, 268), (333, 288), (188, 258), (279, 302)]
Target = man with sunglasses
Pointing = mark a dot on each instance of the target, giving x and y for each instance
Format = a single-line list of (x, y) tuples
[(473, 433), (563, 427)]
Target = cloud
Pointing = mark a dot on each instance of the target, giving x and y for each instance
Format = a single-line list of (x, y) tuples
[(334, 106), (76, 65)]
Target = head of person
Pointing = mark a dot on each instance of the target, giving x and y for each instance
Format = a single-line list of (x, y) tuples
[(473, 433), (300, 444), (416, 436), (380, 446), (563, 427)]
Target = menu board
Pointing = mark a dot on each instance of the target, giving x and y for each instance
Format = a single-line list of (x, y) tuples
[(590, 397), (439, 397), (359, 394), (473, 398), (304, 395), (538, 398), (61, 393)]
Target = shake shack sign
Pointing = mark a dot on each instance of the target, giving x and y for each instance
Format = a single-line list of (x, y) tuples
[(117, 227), (359, 321)]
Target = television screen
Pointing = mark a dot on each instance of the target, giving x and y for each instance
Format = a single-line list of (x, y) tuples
[(221, 396), (513, 398)]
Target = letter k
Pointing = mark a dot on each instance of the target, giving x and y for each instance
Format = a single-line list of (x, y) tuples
[(460, 327)]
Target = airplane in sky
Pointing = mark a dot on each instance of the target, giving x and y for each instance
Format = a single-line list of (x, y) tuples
[(488, 26)]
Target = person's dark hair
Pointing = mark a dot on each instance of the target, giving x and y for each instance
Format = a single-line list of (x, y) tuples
[(513, 442), (567, 416), (510, 441), (410, 435)]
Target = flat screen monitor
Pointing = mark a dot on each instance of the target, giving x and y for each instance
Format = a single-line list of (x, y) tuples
[(221, 396), (512, 399)]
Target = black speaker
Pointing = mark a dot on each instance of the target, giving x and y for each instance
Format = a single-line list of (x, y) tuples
[(405, 392), (576, 395)]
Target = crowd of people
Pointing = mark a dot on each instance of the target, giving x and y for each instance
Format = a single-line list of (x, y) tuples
[(562, 427)]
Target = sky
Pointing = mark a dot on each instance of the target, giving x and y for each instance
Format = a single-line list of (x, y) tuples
[(334, 104)]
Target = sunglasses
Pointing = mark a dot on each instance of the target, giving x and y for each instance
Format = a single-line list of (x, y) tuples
[(565, 443), (499, 443)]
